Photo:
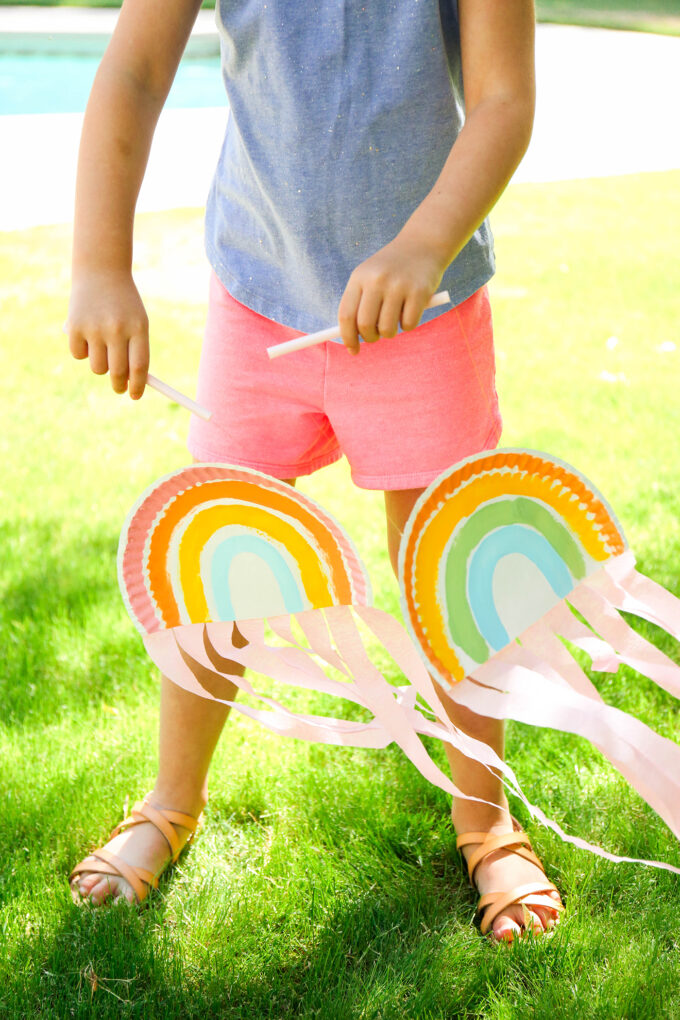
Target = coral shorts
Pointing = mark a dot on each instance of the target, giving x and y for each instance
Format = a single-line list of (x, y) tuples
[(402, 411)]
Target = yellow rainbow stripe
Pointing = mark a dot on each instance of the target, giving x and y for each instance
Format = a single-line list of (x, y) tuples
[(254, 495), (209, 520)]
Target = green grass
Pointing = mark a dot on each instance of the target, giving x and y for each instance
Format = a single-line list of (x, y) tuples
[(661, 16), (325, 882)]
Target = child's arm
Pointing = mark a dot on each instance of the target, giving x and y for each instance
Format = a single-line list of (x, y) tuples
[(393, 286), (106, 320)]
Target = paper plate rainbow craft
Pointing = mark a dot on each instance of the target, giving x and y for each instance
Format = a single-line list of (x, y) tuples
[(508, 559), (211, 543), (492, 545)]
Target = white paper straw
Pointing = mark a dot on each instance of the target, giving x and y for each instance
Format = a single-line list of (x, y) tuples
[(310, 339), (179, 398)]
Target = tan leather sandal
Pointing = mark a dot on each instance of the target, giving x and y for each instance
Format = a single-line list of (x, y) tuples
[(103, 862), (530, 894)]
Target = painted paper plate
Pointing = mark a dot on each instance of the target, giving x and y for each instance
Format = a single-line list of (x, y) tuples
[(491, 546), (214, 542), (504, 545)]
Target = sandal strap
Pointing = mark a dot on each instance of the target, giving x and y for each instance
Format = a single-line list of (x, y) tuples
[(179, 818), (164, 820), (518, 836), (520, 851), (139, 878), (96, 864), (530, 894), (103, 862), (516, 842)]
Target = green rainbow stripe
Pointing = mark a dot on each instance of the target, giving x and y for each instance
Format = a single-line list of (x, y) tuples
[(502, 513)]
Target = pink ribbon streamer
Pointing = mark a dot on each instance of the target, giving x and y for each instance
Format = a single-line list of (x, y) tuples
[(540, 641), (175, 662), (630, 646), (560, 620), (652, 763), (188, 655), (517, 683), (625, 588), (397, 642)]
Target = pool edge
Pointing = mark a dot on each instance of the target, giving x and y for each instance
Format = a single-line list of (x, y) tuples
[(84, 31)]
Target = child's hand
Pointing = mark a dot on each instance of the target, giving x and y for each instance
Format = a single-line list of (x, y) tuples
[(108, 324), (389, 289)]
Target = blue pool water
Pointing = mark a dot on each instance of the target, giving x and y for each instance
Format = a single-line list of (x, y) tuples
[(60, 83)]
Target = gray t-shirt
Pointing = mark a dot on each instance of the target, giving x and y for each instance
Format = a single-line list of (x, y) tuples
[(342, 114)]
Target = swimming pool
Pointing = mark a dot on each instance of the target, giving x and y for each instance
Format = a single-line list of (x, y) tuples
[(60, 83)]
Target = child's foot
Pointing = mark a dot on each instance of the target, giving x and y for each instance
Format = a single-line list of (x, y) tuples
[(504, 870), (139, 850)]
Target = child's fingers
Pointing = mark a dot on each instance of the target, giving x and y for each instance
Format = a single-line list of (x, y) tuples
[(118, 366), (347, 317), (77, 344), (390, 314), (99, 362), (368, 314), (138, 354), (414, 306)]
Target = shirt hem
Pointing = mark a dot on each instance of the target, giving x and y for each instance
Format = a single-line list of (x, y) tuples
[(459, 289)]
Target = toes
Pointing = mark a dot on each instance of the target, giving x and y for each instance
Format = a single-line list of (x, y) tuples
[(84, 882), (80, 892), (558, 899), (96, 889), (532, 922), (550, 918), (547, 917), (505, 929), (101, 891), (82, 886), (544, 917), (523, 917), (123, 893), (76, 893), (518, 921)]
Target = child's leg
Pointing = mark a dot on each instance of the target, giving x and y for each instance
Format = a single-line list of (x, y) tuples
[(189, 729), (500, 870)]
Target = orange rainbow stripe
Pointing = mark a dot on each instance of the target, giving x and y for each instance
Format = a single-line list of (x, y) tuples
[(159, 580)]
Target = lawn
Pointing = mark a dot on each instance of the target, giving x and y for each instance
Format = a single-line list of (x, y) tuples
[(325, 882), (647, 16), (636, 15)]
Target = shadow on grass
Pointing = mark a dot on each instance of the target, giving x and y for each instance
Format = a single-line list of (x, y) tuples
[(374, 935), (65, 641), (369, 941), (375, 954), (48, 572)]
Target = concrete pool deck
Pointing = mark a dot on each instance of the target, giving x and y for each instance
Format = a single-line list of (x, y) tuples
[(607, 105)]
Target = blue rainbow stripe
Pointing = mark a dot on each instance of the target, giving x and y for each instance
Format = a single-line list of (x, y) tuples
[(222, 558), (513, 538)]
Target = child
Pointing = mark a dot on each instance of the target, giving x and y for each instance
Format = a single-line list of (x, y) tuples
[(349, 189)]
